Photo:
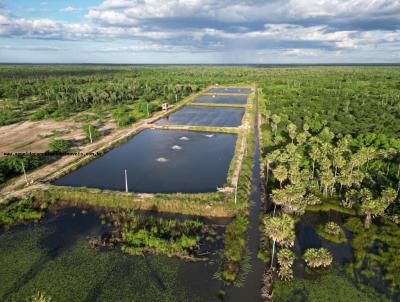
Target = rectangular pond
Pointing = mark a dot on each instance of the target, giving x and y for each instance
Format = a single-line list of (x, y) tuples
[(205, 116), (230, 90), (222, 99), (160, 161)]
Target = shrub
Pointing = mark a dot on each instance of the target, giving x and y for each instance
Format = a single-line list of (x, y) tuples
[(285, 273), (59, 145), (318, 257), (39, 297), (286, 257), (332, 228), (90, 130), (332, 231), (8, 116)]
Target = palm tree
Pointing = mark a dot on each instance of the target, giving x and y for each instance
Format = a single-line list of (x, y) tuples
[(374, 207), (276, 119), (267, 116), (369, 153), (281, 230), (318, 257), (314, 155), (291, 198), (292, 130), (281, 174), (285, 259)]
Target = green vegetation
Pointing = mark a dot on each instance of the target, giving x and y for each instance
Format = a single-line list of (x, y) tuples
[(331, 287), (39, 297), (77, 272), (235, 248), (375, 249), (8, 116), (91, 133), (280, 229), (14, 211), (59, 145), (330, 140), (146, 234), (205, 204), (13, 165), (317, 257), (285, 259), (332, 232)]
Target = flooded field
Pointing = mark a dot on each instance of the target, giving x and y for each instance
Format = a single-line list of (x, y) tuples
[(54, 257), (221, 99), (204, 116), (160, 161), (230, 90)]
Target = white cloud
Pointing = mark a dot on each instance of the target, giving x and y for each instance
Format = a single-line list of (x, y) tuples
[(71, 9), (297, 28)]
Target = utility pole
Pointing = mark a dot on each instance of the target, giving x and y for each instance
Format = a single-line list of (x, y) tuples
[(126, 181), (23, 169)]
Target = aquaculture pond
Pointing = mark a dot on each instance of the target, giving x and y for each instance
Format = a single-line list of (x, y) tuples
[(222, 99), (160, 161), (230, 90), (205, 116), (54, 257), (365, 266)]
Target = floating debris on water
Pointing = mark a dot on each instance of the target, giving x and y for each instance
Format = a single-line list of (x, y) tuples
[(184, 138), (176, 147), (162, 160)]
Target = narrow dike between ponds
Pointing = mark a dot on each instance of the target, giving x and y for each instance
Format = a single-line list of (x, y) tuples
[(250, 289)]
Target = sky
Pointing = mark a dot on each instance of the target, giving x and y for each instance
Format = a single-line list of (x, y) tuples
[(200, 31)]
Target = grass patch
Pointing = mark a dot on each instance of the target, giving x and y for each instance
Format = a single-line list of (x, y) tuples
[(331, 287)]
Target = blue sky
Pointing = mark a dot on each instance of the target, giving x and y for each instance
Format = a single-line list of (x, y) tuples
[(200, 31)]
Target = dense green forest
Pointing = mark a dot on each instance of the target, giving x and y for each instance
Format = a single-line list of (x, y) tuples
[(332, 144), (330, 160)]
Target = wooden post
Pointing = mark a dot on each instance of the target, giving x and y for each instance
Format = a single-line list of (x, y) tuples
[(126, 181), (23, 169), (236, 188), (90, 134)]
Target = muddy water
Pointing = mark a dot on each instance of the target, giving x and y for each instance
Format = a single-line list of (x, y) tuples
[(222, 99), (160, 161), (230, 90), (205, 116)]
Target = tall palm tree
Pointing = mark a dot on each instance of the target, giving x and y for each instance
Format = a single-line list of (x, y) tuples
[(281, 230), (281, 174), (292, 130), (314, 155), (374, 207)]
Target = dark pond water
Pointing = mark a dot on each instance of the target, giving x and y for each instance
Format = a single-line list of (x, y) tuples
[(205, 116), (160, 161), (250, 290), (54, 257), (230, 90), (307, 237), (221, 99)]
